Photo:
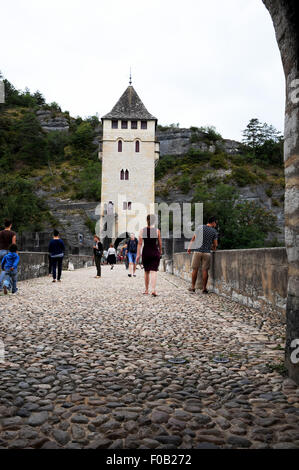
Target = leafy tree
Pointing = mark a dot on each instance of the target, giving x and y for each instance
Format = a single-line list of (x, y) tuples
[(40, 100), (241, 224), (263, 141), (31, 144), (19, 203)]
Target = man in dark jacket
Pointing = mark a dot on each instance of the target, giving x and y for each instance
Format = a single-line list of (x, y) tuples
[(97, 254), (56, 251)]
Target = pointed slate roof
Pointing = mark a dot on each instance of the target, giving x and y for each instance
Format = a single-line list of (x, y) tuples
[(129, 106)]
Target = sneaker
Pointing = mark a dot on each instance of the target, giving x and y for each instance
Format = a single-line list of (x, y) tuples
[(130, 275), (15, 292), (191, 290)]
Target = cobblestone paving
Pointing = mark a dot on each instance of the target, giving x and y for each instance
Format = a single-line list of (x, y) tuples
[(86, 366)]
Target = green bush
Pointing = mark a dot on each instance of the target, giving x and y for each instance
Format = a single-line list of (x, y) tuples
[(218, 161), (184, 184), (269, 192), (243, 177), (19, 203), (89, 183)]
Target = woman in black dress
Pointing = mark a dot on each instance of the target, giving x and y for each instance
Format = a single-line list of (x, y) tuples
[(150, 237)]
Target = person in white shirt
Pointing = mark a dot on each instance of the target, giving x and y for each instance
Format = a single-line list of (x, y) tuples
[(111, 256)]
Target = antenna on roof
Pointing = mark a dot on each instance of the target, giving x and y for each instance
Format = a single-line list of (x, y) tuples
[(130, 79)]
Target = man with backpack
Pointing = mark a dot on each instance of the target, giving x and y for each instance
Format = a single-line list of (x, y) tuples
[(132, 254)]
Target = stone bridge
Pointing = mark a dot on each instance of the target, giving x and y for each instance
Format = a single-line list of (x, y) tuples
[(87, 364)]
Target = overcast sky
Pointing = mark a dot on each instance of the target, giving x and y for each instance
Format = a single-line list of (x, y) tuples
[(194, 62)]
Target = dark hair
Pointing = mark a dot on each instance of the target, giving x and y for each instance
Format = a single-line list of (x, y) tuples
[(211, 220), (13, 248), (55, 233), (7, 223), (151, 219)]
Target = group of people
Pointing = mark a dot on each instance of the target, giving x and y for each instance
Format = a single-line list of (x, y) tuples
[(149, 243)]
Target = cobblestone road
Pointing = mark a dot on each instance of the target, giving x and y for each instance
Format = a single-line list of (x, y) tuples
[(86, 366)]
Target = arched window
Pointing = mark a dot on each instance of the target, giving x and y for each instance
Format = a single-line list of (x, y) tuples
[(137, 146), (126, 175), (120, 146), (122, 175)]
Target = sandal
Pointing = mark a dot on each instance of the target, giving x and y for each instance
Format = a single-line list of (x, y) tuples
[(154, 294), (191, 289)]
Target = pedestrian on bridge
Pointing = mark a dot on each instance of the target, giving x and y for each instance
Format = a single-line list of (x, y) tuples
[(97, 254), (151, 244), (206, 238), (56, 251), (111, 256)]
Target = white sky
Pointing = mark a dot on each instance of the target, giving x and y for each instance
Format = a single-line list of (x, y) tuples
[(195, 62)]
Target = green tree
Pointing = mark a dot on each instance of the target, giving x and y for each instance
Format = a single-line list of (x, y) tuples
[(241, 224), (19, 203), (31, 143)]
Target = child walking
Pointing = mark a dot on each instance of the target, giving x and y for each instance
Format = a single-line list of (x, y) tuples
[(9, 267)]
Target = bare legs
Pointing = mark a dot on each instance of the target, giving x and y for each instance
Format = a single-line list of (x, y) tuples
[(146, 280), (150, 276), (132, 268), (153, 280), (205, 276), (194, 277)]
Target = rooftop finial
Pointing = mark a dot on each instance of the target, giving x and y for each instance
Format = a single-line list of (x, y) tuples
[(130, 79)]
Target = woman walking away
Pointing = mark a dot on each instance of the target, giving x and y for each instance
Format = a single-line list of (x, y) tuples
[(97, 254), (150, 237), (56, 250), (111, 256)]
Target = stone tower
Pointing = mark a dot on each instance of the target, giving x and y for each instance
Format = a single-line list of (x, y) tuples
[(128, 152)]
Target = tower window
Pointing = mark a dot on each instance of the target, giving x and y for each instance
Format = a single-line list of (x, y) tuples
[(143, 125), (120, 146), (122, 175), (133, 124), (124, 124), (129, 206), (137, 146), (114, 124), (126, 175), (125, 205)]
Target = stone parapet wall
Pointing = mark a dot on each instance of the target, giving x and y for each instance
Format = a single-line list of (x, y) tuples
[(257, 278), (35, 264)]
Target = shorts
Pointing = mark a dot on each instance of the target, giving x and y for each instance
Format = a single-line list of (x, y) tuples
[(132, 257), (201, 259)]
